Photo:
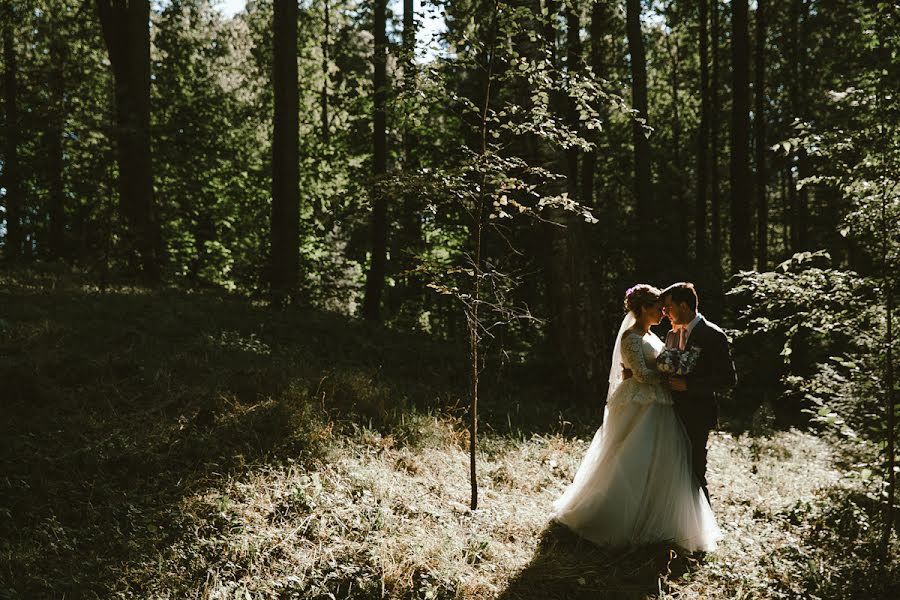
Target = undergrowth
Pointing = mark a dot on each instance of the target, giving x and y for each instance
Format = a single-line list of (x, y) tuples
[(187, 445)]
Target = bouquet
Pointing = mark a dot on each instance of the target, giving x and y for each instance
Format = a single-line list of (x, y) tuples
[(673, 361)]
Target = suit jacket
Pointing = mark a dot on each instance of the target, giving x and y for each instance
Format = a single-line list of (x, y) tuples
[(713, 373)]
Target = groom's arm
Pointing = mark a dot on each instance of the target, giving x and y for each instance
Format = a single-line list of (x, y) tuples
[(720, 375)]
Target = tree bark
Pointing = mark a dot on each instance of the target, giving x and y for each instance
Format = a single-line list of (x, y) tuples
[(55, 146), (802, 110), (702, 140), (326, 133), (589, 159), (285, 225), (797, 89), (759, 124), (11, 175), (126, 32), (677, 179), (410, 243), (740, 239), (573, 66), (715, 208), (642, 162), (375, 277)]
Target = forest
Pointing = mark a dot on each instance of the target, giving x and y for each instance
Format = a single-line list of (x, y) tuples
[(318, 299)]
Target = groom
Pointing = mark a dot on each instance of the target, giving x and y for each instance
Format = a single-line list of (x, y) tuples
[(713, 373)]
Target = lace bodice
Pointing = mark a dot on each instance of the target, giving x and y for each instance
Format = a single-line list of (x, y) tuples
[(639, 354)]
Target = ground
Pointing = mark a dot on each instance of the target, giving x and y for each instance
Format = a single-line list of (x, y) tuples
[(186, 445)]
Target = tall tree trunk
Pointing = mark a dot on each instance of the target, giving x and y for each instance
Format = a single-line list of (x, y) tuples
[(326, 133), (375, 277), (573, 66), (702, 141), (797, 90), (888, 229), (11, 176), (410, 242), (126, 32), (715, 207), (803, 108), (55, 145), (677, 179), (285, 223), (589, 157), (409, 40), (601, 16), (741, 242), (642, 167), (793, 209), (759, 124)]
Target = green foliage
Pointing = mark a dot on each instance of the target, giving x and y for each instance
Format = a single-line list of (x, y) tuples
[(808, 337), (829, 564)]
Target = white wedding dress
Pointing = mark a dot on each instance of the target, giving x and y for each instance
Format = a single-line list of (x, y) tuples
[(635, 485)]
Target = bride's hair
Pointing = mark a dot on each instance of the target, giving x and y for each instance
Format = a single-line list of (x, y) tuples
[(639, 296)]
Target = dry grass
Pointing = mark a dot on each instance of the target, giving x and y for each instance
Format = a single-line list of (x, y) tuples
[(380, 519)]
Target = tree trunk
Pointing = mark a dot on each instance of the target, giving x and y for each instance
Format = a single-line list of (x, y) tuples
[(715, 197), (799, 198), (573, 66), (477, 248), (126, 32), (599, 26), (376, 274), (702, 141), (793, 210), (888, 229), (410, 242), (741, 242), (642, 166), (326, 133), (285, 225), (55, 146), (802, 109), (759, 123), (677, 179), (11, 175)]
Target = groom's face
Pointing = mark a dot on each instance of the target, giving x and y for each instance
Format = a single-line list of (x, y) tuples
[(676, 313)]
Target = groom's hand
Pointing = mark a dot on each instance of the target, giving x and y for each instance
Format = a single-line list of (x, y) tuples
[(677, 384), (626, 372)]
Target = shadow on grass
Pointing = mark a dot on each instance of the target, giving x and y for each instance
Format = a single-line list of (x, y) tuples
[(118, 406), (566, 566)]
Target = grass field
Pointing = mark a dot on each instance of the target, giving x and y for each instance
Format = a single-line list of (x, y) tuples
[(174, 445)]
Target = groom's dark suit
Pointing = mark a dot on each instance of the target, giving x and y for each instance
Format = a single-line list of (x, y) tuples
[(713, 373)]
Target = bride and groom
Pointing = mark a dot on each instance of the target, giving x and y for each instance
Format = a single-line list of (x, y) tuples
[(643, 479)]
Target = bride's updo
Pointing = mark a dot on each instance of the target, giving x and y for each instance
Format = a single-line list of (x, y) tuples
[(640, 296)]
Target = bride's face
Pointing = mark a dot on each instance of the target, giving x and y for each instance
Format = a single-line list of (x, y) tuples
[(654, 313)]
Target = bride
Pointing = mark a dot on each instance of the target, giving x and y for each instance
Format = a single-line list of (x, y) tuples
[(635, 485)]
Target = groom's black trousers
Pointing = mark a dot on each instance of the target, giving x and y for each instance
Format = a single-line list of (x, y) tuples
[(699, 436)]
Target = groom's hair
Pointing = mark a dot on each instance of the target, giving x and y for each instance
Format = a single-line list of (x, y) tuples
[(682, 292)]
